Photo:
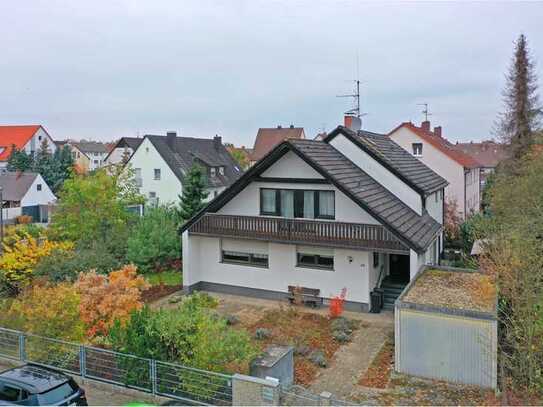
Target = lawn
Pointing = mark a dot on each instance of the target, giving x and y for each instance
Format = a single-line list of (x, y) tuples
[(162, 284), (315, 338)]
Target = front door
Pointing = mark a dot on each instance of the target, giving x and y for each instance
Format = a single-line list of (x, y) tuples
[(399, 268)]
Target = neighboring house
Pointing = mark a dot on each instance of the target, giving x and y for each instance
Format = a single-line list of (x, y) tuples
[(160, 164), (123, 150), (488, 154), (88, 155), (27, 138), (354, 210), (25, 194), (461, 170), (268, 138)]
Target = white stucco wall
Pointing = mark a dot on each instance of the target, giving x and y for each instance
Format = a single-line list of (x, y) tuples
[(434, 206), (33, 145), (377, 171), (291, 166), (473, 190), (202, 262), (146, 157), (439, 162), (96, 160), (35, 197)]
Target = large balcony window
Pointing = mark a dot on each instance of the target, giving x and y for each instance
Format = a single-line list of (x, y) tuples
[(297, 203)]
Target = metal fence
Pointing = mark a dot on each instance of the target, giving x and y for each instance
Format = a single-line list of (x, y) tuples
[(158, 378)]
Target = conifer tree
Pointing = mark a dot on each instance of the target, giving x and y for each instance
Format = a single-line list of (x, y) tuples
[(194, 193), (19, 160), (522, 112)]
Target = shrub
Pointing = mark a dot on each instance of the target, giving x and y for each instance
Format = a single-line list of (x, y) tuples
[(318, 358), (341, 336), (342, 324), (45, 310), (18, 262), (105, 299), (154, 241), (200, 300), (23, 219), (262, 333), (65, 265)]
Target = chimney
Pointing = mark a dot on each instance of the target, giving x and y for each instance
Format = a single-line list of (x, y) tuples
[(425, 125), (437, 131), (217, 142), (279, 126), (170, 139), (291, 126), (348, 121)]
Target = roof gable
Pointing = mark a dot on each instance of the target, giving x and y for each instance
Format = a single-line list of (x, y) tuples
[(441, 144), (15, 135), (415, 231), (15, 185)]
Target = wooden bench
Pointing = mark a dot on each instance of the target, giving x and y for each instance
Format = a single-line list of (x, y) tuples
[(309, 296)]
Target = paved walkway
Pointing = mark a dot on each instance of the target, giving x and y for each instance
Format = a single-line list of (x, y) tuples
[(351, 361)]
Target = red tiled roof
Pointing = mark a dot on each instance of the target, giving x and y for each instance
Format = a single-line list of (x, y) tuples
[(441, 144), (15, 135), (268, 138), (488, 153)]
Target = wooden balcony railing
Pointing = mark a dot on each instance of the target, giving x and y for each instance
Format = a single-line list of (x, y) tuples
[(312, 232)]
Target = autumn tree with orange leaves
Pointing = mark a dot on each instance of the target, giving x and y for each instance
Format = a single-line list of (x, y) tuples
[(106, 298)]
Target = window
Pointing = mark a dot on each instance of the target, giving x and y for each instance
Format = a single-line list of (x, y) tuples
[(221, 170), (215, 193), (315, 257), (295, 203), (10, 393), (157, 173), (375, 260), (95, 162), (212, 171), (417, 149), (38, 187), (39, 138), (56, 395), (152, 194), (243, 252)]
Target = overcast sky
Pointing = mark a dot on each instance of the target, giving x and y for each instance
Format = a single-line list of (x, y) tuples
[(107, 69)]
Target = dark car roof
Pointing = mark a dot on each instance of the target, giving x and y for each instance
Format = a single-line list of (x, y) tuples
[(35, 379)]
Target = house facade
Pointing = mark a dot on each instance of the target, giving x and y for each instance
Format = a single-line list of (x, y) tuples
[(268, 138), (123, 150), (27, 138), (353, 211), (160, 164), (88, 155), (25, 194), (461, 170)]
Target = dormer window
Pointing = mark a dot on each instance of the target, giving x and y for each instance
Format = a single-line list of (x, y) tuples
[(221, 170), (417, 149)]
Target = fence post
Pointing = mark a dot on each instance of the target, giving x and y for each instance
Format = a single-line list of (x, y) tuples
[(152, 366), (22, 348), (82, 361)]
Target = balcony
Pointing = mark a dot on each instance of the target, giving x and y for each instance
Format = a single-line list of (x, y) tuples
[(298, 231)]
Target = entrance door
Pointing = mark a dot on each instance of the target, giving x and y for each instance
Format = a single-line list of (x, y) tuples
[(399, 268)]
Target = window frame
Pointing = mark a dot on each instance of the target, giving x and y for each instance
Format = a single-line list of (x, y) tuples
[(38, 187), (250, 259), (155, 177), (415, 147), (298, 203), (376, 259), (315, 264)]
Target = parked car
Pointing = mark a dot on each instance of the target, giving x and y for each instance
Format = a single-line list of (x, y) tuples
[(32, 385)]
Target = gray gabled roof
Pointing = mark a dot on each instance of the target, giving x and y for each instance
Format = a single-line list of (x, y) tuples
[(187, 150), (15, 185), (419, 231), (395, 158), (90, 147)]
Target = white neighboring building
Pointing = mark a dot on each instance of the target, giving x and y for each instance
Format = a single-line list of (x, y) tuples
[(354, 210), (123, 150), (160, 164), (460, 169), (25, 194), (27, 138)]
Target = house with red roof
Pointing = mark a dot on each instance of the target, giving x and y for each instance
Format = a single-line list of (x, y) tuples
[(268, 138), (461, 170), (26, 137)]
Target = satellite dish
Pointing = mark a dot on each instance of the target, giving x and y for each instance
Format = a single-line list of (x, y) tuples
[(356, 124)]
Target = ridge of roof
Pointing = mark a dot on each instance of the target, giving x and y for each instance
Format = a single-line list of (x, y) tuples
[(442, 144), (416, 231), (15, 135)]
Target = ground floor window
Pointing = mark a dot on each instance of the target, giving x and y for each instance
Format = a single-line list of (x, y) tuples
[(244, 252), (315, 257)]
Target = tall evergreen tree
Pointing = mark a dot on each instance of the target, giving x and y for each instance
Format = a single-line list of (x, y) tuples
[(194, 193), (522, 113), (19, 160)]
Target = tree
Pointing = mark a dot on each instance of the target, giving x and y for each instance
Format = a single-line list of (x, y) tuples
[(452, 221), (241, 157), (194, 193), (105, 299), (522, 113), (19, 160), (154, 241)]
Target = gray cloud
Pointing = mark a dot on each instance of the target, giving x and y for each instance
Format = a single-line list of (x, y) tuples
[(105, 69)]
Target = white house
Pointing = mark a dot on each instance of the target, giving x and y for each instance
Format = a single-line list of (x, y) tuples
[(461, 170), (160, 164), (27, 138), (25, 194), (123, 150), (354, 210)]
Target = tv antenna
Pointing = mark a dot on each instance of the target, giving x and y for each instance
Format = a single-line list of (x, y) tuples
[(425, 111), (355, 111)]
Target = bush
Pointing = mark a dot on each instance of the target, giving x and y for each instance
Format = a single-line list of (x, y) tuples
[(65, 265), (318, 358), (105, 299), (23, 219), (154, 241), (342, 324), (341, 336), (262, 333)]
